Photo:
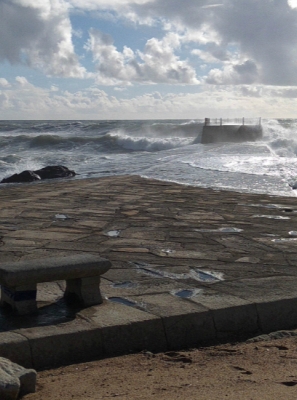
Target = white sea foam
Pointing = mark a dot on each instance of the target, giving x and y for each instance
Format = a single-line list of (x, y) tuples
[(151, 144)]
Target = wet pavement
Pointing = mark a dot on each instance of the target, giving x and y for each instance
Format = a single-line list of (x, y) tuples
[(189, 266)]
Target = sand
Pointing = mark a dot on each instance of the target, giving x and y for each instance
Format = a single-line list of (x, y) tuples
[(257, 370)]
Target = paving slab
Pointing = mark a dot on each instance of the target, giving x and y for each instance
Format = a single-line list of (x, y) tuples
[(189, 265)]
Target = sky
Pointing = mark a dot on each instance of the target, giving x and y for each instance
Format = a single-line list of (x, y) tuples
[(148, 59)]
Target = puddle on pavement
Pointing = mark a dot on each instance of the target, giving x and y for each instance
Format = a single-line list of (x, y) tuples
[(126, 302), (124, 285), (113, 233), (270, 216), (123, 301), (206, 276), (168, 251), (223, 230), (158, 273), (271, 206), (185, 293), (61, 217), (284, 240), (197, 274), (230, 230)]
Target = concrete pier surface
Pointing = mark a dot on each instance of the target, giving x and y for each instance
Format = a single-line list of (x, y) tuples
[(189, 266)]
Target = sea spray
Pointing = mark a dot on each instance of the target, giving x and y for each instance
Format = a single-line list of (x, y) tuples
[(169, 150)]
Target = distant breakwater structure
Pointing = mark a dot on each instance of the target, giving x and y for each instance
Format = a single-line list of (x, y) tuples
[(237, 130)]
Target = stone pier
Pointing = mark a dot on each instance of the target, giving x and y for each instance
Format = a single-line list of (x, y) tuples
[(189, 266)]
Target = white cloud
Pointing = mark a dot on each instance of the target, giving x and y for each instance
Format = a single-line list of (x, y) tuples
[(22, 100), (292, 3), (265, 31), (38, 33), (22, 81), (4, 82), (105, 4), (157, 63)]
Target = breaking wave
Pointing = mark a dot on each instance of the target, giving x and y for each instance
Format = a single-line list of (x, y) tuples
[(163, 149)]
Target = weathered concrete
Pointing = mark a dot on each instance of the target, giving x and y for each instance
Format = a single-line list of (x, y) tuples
[(231, 133), (189, 265)]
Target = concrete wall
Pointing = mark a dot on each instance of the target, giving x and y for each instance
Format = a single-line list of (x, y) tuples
[(231, 133)]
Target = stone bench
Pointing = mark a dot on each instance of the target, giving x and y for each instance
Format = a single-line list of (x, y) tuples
[(82, 274)]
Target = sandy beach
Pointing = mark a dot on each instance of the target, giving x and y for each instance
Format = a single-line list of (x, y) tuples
[(258, 370)]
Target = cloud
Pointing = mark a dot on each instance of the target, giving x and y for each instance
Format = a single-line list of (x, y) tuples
[(265, 32), (23, 100), (239, 41), (157, 63), (245, 73), (292, 3), (105, 4), (4, 82), (39, 34), (22, 81)]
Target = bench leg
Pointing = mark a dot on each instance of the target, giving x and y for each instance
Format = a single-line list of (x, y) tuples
[(22, 299), (86, 289)]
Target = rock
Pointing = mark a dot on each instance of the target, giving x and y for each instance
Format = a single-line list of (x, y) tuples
[(54, 171), (50, 172), (15, 380), (25, 176)]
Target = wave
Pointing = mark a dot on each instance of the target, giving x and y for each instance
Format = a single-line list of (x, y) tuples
[(10, 159), (182, 129), (272, 156), (149, 144), (113, 136), (168, 150), (280, 137)]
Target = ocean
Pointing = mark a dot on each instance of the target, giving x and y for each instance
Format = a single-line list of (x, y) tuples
[(169, 150)]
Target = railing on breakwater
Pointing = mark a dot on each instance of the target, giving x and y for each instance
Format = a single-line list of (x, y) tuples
[(231, 130), (234, 121)]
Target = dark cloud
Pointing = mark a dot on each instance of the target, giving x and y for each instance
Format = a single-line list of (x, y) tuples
[(265, 31)]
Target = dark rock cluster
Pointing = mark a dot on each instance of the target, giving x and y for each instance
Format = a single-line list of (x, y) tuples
[(50, 172)]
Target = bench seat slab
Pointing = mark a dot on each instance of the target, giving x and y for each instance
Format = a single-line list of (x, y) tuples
[(82, 274)]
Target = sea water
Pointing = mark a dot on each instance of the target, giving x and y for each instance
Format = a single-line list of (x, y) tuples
[(169, 150)]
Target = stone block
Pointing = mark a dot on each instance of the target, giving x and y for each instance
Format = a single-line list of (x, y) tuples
[(186, 324), (126, 329), (63, 344), (276, 315), (15, 347), (86, 290), (232, 315), (15, 380)]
